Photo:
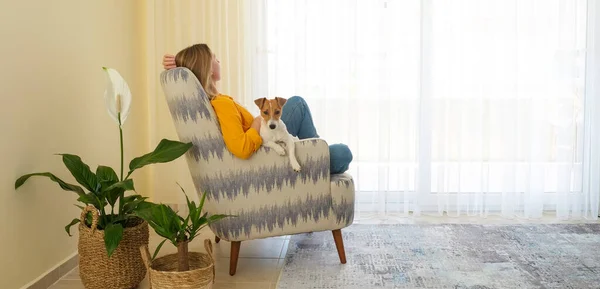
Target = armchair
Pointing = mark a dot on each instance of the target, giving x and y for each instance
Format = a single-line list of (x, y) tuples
[(268, 197)]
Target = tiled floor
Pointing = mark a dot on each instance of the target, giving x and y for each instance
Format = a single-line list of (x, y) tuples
[(261, 260)]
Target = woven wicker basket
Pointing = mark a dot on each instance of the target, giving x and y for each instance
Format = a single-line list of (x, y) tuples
[(124, 269), (163, 272)]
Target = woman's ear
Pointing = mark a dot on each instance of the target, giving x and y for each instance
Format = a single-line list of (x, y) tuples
[(280, 100), (260, 102)]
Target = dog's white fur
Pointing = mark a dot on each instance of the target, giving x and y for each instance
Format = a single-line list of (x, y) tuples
[(279, 134)]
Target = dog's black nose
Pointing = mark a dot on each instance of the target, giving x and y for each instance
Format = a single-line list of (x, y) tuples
[(272, 126)]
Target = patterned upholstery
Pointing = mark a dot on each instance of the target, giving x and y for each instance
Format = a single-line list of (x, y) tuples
[(267, 196)]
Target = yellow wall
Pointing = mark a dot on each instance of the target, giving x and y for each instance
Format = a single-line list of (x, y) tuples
[(52, 86)]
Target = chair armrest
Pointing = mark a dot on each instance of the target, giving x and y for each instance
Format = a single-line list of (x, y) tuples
[(265, 192), (308, 152), (266, 169)]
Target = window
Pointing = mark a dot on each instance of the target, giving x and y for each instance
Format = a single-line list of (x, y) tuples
[(447, 105)]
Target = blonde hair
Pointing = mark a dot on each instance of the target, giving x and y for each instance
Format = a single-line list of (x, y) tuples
[(198, 58)]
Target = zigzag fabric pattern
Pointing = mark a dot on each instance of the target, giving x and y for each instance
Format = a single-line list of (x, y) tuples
[(344, 211), (189, 108), (188, 105), (230, 184), (342, 179), (268, 217), (207, 147), (174, 75)]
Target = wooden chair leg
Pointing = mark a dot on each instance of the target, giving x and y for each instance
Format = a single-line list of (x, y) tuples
[(217, 239), (339, 244), (233, 259)]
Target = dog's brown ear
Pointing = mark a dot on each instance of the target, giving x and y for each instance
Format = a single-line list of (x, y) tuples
[(260, 102), (280, 100)]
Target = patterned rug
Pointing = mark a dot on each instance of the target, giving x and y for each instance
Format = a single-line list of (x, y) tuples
[(447, 256)]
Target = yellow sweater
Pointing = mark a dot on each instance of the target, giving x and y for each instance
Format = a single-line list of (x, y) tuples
[(235, 121)]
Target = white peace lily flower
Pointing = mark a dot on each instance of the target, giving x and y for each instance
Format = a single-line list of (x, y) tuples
[(117, 96)]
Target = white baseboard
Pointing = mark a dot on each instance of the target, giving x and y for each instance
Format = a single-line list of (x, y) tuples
[(54, 274)]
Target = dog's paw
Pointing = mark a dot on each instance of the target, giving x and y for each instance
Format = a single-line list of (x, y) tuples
[(280, 151), (296, 167)]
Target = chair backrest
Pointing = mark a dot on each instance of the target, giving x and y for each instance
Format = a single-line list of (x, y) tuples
[(195, 121)]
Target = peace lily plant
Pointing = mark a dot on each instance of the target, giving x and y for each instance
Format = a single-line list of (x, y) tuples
[(180, 231), (104, 187)]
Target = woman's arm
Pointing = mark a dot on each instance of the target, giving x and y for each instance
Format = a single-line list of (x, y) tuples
[(256, 123), (239, 142), (249, 120), (169, 61)]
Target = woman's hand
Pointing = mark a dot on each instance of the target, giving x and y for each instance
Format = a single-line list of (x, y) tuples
[(169, 61), (256, 123)]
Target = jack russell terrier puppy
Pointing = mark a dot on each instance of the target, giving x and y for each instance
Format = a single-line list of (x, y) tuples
[(274, 131)]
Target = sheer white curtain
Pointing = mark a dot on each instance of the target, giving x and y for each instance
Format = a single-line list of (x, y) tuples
[(171, 26), (459, 107)]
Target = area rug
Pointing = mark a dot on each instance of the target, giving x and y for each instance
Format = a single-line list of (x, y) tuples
[(447, 256)]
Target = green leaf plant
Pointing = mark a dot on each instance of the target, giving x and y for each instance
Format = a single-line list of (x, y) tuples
[(104, 188), (176, 229)]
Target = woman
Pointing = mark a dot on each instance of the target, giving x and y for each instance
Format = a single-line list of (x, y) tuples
[(241, 129)]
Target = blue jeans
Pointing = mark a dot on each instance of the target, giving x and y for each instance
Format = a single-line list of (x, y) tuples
[(296, 116)]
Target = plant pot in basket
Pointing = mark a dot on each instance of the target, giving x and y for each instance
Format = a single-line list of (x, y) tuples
[(163, 272), (183, 270), (109, 241), (124, 269)]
